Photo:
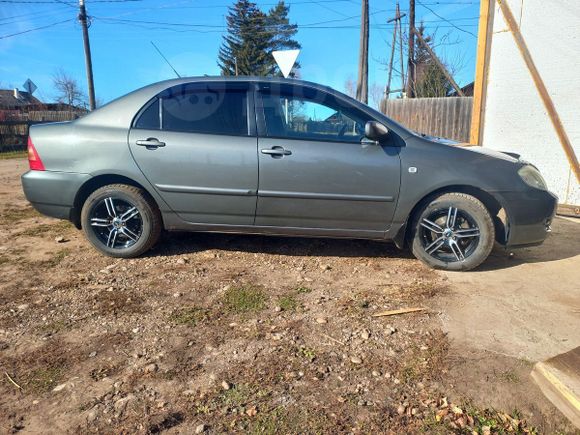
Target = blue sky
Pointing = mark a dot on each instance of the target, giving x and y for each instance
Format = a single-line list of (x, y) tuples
[(189, 32)]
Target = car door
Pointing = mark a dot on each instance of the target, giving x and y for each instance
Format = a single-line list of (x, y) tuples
[(316, 169), (196, 144)]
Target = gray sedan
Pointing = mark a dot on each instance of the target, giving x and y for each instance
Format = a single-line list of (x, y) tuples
[(276, 156)]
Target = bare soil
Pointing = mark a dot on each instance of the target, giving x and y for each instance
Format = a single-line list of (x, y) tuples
[(222, 333)]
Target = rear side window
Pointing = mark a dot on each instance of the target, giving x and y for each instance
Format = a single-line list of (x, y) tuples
[(149, 118), (205, 110)]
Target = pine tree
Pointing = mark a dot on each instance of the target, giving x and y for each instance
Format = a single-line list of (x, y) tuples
[(246, 43), (252, 36), (282, 34)]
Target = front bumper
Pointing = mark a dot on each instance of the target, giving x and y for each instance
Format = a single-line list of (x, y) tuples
[(52, 193), (529, 216)]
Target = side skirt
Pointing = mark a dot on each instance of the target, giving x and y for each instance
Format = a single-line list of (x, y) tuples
[(174, 223)]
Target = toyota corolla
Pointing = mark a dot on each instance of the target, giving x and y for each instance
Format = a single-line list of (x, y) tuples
[(281, 157)]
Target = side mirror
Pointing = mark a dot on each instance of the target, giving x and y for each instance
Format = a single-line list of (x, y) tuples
[(376, 131)]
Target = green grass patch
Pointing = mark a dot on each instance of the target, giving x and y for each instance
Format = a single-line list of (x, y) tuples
[(244, 299), (305, 352), (284, 420), (190, 316), (303, 290), (44, 379), (288, 303)]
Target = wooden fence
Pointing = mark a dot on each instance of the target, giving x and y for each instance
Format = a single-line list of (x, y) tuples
[(14, 125), (448, 117)]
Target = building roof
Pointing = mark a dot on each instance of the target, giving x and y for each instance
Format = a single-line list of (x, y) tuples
[(8, 98), (467, 90)]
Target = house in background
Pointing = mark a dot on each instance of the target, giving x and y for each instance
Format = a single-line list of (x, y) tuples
[(20, 109), (12, 99)]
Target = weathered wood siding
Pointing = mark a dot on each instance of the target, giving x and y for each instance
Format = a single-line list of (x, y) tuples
[(444, 117)]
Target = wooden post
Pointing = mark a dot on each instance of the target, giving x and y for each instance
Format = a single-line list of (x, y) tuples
[(411, 58), (88, 59), (399, 23), (362, 85), (486, 11), (388, 88)]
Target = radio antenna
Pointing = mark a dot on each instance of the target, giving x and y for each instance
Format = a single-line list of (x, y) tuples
[(164, 58)]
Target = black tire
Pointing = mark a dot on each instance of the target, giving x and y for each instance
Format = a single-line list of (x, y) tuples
[(462, 246), (132, 238)]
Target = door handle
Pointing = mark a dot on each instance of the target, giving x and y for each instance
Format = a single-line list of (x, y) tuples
[(276, 152), (150, 143)]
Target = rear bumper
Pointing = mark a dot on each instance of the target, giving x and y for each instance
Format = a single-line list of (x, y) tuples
[(530, 214), (52, 193)]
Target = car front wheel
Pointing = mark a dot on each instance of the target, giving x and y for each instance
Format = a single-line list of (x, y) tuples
[(121, 221), (454, 231)]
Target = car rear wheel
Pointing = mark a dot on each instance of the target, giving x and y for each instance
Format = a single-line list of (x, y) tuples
[(454, 231), (121, 221)]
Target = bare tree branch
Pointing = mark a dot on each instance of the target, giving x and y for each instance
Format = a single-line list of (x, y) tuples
[(68, 90)]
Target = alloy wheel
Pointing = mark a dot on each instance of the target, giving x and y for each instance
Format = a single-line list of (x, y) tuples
[(449, 235), (116, 222)]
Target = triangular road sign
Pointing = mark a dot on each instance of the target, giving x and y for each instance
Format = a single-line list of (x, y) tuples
[(285, 60)]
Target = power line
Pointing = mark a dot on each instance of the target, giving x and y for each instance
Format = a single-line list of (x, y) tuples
[(316, 25), (56, 2), (36, 28), (446, 20), (36, 13)]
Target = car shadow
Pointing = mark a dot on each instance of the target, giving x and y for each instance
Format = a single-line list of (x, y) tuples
[(563, 242), (186, 243)]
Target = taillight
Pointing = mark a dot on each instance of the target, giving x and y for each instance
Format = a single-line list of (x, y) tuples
[(33, 159)]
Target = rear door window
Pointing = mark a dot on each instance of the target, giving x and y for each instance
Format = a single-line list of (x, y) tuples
[(198, 108), (210, 110)]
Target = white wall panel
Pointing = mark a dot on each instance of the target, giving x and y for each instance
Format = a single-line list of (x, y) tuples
[(515, 117)]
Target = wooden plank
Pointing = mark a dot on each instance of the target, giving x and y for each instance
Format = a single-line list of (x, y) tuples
[(541, 87), (568, 210), (559, 380), (484, 36)]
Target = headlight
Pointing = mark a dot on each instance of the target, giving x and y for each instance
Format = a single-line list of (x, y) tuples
[(532, 177)]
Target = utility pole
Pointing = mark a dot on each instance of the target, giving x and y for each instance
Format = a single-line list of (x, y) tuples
[(362, 85), (401, 55), (88, 61), (397, 21), (411, 59)]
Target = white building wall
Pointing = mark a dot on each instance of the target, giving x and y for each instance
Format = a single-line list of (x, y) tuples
[(515, 118)]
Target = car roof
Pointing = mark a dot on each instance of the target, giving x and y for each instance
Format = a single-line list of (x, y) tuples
[(244, 79), (120, 112)]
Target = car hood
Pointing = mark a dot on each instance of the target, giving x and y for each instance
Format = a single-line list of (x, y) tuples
[(504, 155)]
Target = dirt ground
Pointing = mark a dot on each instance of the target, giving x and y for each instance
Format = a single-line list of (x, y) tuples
[(220, 333)]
